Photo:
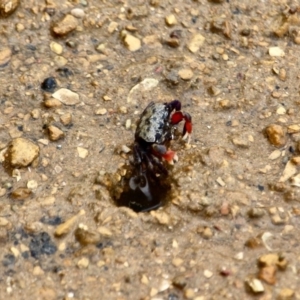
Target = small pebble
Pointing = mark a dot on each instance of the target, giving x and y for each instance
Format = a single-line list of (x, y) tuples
[(56, 48), (161, 217), (87, 237), (177, 261), (104, 231), (281, 110), (64, 26), (255, 285), (101, 111), (132, 43), (55, 133), (67, 226), (113, 26), (282, 74), (66, 119), (21, 193), (32, 185), (256, 212), (221, 26), (82, 152), (272, 259), (35, 113), (38, 271), (208, 273), (66, 96), (144, 279), (78, 13), (286, 294), (52, 103), (125, 149), (189, 293), (277, 220), (186, 74), (5, 56), (60, 61), (21, 152), (290, 169), (240, 142), (83, 263), (179, 281), (173, 42), (274, 155), (268, 274), (106, 98), (7, 7), (276, 52), (20, 27), (171, 20), (128, 124), (295, 128), (196, 42), (276, 135), (206, 232)]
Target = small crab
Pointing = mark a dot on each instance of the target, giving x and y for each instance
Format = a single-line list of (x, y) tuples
[(154, 132)]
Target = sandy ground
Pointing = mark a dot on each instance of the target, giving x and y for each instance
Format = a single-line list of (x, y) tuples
[(229, 228)]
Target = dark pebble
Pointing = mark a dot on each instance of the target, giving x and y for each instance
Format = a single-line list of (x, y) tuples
[(25, 254), (71, 44), (260, 187), (108, 67), (172, 78), (104, 245), (8, 260), (31, 47), (51, 220), (176, 34), (173, 296), (179, 281), (49, 84), (41, 244), (65, 72), (57, 269)]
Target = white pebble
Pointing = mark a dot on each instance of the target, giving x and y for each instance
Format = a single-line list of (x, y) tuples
[(276, 52), (77, 13)]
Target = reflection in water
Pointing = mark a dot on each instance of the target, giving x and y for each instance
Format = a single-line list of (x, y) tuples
[(143, 193), (140, 182)]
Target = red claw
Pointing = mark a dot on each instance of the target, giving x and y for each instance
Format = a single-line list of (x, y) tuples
[(177, 117)]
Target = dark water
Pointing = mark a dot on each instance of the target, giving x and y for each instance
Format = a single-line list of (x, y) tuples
[(144, 194)]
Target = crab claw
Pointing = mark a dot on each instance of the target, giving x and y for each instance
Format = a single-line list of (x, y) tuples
[(177, 117), (168, 155)]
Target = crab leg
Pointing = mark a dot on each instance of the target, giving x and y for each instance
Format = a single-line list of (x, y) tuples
[(168, 155)]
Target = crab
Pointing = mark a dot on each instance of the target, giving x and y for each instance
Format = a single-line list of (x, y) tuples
[(155, 130)]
